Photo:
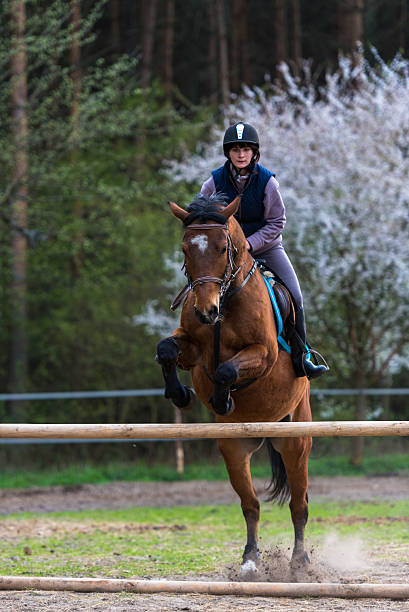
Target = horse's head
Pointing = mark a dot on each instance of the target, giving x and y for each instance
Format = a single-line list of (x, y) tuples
[(213, 245)]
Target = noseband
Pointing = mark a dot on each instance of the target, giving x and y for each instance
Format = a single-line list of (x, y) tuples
[(231, 269)]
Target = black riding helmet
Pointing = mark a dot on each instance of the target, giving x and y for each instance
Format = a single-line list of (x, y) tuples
[(240, 133)]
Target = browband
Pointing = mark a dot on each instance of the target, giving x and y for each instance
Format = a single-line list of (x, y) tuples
[(206, 226)]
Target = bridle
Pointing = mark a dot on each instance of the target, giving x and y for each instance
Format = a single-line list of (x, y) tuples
[(229, 275), (231, 270)]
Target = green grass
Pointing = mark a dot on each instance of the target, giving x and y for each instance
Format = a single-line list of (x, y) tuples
[(152, 542), (92, 474), (381, 464)]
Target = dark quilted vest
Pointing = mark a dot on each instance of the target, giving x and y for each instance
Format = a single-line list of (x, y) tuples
[(251, 212)]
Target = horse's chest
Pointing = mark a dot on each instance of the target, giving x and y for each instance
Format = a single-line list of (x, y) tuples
[(227, 342)]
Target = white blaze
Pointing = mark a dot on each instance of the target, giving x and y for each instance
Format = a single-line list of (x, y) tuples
[(201, 241)]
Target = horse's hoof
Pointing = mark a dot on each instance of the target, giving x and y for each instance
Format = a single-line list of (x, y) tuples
[(300, 561), (167, 351), (180, 396), (251, 557), (187, 402), (226, 409), (226, 374)]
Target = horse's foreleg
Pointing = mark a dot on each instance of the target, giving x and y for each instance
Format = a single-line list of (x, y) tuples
[(168, 354), (236, 454), (221, 400), (248, 363)]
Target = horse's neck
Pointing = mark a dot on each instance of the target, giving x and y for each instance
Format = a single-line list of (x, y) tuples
[(239, 242), (245, 264)]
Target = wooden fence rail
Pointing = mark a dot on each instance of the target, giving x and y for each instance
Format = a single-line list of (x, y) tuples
[(204, 430), (257, 589)]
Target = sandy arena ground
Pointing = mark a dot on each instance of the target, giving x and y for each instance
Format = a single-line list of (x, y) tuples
[(336, 561)]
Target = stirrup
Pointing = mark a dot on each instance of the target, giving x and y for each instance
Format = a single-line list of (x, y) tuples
[(312, 370)]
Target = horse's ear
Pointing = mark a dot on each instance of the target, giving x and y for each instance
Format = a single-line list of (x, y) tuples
[(231, 208), (180, 213)]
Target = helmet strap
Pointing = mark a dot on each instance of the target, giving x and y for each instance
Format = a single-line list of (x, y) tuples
[(249, 169), (252, 163), (235, 173)]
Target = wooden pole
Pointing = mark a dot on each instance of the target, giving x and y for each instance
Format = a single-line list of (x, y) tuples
[(180, 455), (204, 430), (258, 589)]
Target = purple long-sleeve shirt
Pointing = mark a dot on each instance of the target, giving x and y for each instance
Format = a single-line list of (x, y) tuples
[(274, 214)]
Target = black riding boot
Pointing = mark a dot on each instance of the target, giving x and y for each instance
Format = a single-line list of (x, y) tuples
[(303, 366)]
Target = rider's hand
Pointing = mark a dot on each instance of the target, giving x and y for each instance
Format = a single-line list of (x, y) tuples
[(248, 245)]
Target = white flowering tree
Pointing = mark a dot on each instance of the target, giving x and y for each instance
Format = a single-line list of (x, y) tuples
[(341, 155)]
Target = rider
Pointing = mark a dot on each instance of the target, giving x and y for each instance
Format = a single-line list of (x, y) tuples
[(262, 218)]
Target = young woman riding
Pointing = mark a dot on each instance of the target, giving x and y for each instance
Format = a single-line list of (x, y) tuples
[(262, 218)]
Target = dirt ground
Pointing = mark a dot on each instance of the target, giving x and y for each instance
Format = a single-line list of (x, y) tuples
[(337, 560), (128, 494)]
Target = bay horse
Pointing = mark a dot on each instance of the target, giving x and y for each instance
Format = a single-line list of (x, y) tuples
[(227, 338)]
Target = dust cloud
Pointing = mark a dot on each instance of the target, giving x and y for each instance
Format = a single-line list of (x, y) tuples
[(335, 559), (345, 553)]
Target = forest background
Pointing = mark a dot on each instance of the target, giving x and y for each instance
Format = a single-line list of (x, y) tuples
[(102, 104)]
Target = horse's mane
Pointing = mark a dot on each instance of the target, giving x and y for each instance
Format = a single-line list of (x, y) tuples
[(206, 208)]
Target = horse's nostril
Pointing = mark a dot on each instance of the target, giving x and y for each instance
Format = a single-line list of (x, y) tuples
[(213, 313), (202, 318), (208, 317)]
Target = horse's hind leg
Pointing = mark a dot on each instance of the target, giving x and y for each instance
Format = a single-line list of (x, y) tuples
[(294, 453), (236, 454)]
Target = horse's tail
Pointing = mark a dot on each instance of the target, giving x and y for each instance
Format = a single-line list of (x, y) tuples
[(278, 487)]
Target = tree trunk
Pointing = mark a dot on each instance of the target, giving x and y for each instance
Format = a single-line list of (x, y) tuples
[(351, 32), (387, 382), (75, 62), (241, 59), (75, 59), (167, 62), (246, 46), (115, 30), (19, 343), (148, 20), (235, 45), (223, 53), (403, 26), (212, 52), (350, 26), (280, 34), (296, 43)]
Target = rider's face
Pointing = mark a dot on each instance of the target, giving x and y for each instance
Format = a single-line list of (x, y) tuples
[(240, 157)]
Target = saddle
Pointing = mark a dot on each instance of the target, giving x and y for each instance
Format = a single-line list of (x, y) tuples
[(283, 306)]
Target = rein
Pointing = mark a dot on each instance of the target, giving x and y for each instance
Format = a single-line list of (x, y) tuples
[(217, 331)]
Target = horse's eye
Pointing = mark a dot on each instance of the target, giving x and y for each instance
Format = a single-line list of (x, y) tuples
[(224, 249)]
